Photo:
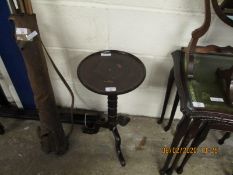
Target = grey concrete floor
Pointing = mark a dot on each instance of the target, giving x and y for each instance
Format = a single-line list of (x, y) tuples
[(20, 152)]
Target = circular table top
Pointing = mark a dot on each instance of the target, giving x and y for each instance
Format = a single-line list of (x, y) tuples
[(111, 72)]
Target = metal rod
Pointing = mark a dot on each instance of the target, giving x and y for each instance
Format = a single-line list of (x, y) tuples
[(80, 115)]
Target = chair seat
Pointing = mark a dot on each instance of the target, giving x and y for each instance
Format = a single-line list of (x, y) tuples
[(205, 89)]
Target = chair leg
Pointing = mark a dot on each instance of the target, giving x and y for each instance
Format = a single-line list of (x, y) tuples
[(2, 130), (191, 133), (181, 129), (201, 136), (225, 136), (168, 92), (176, 101)]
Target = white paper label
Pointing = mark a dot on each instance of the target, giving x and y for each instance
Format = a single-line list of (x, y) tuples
[(31, 35), (106, 54), (216, 99), (21, 31), (198, 104), (110, 89)]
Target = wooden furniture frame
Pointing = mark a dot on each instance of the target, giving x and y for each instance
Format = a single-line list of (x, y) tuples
[(193, 48), (196, 122), (220, 13), (192, 120)]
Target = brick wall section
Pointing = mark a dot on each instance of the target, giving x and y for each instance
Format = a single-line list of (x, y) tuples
[(150, 29)]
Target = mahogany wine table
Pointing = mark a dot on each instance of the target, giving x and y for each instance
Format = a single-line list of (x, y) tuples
[(112, 73)]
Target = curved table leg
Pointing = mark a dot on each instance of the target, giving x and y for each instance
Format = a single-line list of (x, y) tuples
[(191, 133), (196, 142), (118, 146), (168, 91), (181, 129), (112, 125), (176, 101), (225, 136)]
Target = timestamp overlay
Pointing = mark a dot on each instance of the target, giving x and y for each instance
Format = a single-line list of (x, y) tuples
[(190, 150)]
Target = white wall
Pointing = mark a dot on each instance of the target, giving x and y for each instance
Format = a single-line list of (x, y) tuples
[(7, 86), (150, 29)]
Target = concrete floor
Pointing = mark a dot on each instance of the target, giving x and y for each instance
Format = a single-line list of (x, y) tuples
[(20, 152)]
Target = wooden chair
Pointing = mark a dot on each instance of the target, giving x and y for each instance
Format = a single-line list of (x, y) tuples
[(193, 117), (203, 100), (220, 10)]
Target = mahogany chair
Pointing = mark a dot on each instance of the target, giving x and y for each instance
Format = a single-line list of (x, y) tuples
[(193, 117), (204, 101), (221, 10)]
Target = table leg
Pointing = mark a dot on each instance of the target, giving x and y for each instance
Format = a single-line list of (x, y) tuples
[(181, 129), (168, 91), (196, 142), (189, 135), (226, 136), (118, 146), (173, 112), (112, 124)]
